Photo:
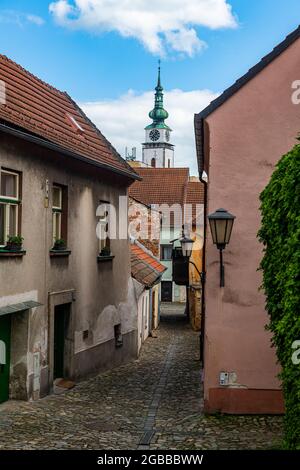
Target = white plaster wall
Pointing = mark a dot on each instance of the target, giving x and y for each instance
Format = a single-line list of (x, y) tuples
[(124, 313), (157, 153)]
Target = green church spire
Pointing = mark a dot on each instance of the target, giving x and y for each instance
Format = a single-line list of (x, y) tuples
[(158, 78), (158, 113)]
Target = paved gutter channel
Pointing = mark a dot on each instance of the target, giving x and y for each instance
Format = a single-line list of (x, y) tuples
[(149, 425)]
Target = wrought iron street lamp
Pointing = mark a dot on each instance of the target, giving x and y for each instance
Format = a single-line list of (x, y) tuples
[(221, 223), (186, 246)]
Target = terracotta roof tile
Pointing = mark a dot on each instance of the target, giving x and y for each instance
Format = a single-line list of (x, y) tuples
[(145, 268), (168, 186), (195, 193), (160, 185), (44, 111)]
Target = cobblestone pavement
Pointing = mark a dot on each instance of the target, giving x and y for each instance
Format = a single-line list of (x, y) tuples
[(154, 402)]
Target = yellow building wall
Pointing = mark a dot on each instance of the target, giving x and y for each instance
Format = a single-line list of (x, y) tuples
[(155, 306), (195, 290)]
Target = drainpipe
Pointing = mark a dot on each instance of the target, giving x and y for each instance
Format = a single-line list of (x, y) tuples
[(199, 129), (202, 334)]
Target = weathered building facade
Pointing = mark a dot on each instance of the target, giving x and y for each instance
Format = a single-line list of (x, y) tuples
[(65, 311), (240, 138), (146, 272), (144, 229), (172, 190)]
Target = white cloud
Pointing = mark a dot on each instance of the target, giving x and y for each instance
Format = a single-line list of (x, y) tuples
[(61, 10), (20, 18), (185, 40), (159, 25), (35, 19), (122, 120)]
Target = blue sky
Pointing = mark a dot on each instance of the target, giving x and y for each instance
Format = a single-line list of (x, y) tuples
[(76, 53)]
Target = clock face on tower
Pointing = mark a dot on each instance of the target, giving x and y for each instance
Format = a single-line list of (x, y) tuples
[(154, 134)]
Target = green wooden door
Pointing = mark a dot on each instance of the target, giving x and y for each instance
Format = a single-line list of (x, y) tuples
[(59, 341), (5, 333)]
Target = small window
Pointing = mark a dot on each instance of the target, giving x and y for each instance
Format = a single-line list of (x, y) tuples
[(9, 185), (166, 252), (76, 126), (85, 334), (103, 229), (59, 213), (57, 197), (9, 205), (118, 336), (153, 162)]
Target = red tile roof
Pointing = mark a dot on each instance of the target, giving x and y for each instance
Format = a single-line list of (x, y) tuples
[(195, 197), (160, 185), (167, 186), (144, 267), (45, 112), (195, 193)]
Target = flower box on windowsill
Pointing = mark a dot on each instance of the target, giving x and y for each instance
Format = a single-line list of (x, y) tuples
[(61, 253), (103, 258), (5, 253)]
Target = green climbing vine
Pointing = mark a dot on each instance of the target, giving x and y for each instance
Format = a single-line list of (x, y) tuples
[(280, 235)]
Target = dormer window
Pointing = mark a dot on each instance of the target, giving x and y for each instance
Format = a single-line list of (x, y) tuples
[(76, 126)]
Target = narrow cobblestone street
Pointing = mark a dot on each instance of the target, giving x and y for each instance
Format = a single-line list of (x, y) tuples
[(154, 402)]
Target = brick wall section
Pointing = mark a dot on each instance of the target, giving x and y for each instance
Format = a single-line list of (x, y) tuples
[(144, 225)]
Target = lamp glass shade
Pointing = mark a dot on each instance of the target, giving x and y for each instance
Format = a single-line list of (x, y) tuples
[(221, 223), (186, 246)]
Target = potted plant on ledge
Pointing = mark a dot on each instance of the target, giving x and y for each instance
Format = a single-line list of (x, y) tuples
[(105, 251), (14, 243), (59, 245)]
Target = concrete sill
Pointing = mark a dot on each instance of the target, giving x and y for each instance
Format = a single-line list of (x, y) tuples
[(102, 259), (11, 253), (59, 253)]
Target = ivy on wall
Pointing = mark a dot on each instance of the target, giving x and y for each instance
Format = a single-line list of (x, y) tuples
[(280, 235)]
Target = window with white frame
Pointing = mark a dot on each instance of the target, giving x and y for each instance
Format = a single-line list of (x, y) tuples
[(57, 209), (9, 205)]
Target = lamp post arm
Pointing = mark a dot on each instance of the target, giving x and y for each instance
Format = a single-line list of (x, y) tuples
[(222, 269), (201, 273)]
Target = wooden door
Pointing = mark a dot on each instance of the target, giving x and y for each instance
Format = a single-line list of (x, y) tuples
[(166, 291), (59, 341)]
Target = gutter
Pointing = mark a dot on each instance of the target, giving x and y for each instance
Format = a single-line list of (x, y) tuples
[(199, 136), (57, 148)]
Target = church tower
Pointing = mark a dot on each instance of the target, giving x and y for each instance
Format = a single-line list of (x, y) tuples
[(158, 152)]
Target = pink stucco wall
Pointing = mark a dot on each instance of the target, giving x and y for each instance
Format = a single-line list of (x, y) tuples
[(248, 134)]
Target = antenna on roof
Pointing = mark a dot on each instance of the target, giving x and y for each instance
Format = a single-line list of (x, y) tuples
[(131, 157)]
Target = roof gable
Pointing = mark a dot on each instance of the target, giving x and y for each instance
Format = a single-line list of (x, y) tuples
[(201, 126), (279, 49), (45, 112)]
